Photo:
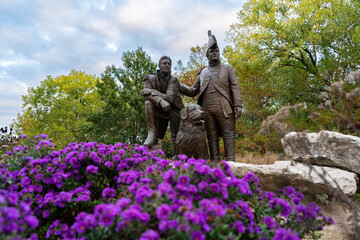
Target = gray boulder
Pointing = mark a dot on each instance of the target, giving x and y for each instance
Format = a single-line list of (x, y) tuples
[(289, 173), (325, 148)]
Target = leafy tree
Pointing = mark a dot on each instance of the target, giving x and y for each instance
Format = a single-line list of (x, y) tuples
[(188, 74), (58, 107), (318, 40), (288, 52), (122, 116)]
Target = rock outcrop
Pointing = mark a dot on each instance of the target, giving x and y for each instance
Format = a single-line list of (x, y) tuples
[(325, 148), (288, 173)]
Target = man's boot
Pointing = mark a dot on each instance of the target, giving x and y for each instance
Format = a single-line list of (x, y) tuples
[(152, 137), (229, 144), (214, 148)]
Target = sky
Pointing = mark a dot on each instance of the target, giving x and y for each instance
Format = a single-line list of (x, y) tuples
[(39, 38)]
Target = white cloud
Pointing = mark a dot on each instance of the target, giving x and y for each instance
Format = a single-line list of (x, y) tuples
[(112, 46), (7, 89), (40, 37), (175, 25), (17, 61), (144, 15)]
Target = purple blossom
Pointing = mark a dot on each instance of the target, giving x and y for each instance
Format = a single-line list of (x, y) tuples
[(91, 169), (62, 166), (218, 173), (38, 188), (123, 202), (202, 186), (149, 235), (244, 187), (183, 227), (183, 180), (168, 175), (25, 181), (192, 217), (164, 225), (80, 227), (145, 180), (108, 164), (38, 198), (239, 226), (151, 169), (214, 187), (12, 198), (46, 214), (197, 235), (182, 157), (32, 221), (48, 181), (44, 136), (285, 207), (39, 177), (164, 188), (108, 193), (163, 211), (269, 222), (11, 212), (144, 217), (106, 220), (93, 155), (285, 234)]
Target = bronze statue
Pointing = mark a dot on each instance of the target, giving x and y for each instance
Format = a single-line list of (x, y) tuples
[(190, 139), (221, 100), (162, 103)]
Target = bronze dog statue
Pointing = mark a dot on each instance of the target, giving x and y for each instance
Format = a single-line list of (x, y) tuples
[(190, 139)]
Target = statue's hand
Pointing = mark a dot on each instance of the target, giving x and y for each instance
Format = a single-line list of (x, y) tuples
[(238, 111), (145, 92), (165, 105)]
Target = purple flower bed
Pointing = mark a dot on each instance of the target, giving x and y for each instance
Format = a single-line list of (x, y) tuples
[(97, 191)]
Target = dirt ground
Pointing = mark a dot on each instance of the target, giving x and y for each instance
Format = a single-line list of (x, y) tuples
[(341, 229)]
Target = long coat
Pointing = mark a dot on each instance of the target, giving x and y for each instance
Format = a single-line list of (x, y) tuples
[(226, 84)]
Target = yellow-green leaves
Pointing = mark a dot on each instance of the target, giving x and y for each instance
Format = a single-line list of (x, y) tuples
[(58, 107)]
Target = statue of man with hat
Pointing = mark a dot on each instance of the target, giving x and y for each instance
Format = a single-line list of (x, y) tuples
[(219, 96)]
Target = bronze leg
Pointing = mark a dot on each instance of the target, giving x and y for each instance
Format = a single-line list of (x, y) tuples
[(212, 136), (152, 137), (229, 144)]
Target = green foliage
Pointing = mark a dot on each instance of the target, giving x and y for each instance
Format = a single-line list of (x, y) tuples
[(58, 107), (249, 140), (122, 116), (357, 198), (288, 52), (188, 74)]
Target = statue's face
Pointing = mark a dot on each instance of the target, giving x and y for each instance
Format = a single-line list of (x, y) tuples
[(165, 65), (213, 54)]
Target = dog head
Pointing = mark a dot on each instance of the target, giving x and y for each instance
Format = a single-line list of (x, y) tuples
[(192, 113)]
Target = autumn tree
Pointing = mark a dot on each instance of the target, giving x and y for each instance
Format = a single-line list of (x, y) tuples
[(287, 52), (188, 74), (318, 40), (58, 107), (122, 116)]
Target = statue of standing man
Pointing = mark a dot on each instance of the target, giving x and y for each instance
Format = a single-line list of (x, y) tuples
[(221, 100), (162, 103)]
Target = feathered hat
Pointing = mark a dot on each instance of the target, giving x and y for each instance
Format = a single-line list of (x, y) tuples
[(212, 43)]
